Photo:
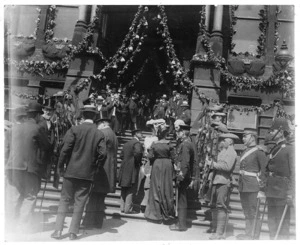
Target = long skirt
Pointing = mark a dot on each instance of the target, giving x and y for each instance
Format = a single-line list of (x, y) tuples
[(161, 195)]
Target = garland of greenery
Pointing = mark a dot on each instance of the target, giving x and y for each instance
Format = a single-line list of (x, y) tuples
[(130, 47), (51, 14), (233, 9), (277, 24), (263, 25), (40, 68)]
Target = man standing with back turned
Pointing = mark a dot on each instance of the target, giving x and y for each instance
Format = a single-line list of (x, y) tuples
[(83, 149)]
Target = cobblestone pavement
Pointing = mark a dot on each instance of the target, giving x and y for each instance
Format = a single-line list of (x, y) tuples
[(114, 229)]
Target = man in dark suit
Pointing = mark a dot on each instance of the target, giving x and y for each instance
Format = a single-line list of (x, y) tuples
[(253, 163), (131, 155), (23, 167), (184, 165), (105, 177), (83, 150), (280, 187)]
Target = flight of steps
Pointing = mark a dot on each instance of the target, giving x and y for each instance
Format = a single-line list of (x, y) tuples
[(196, 211)]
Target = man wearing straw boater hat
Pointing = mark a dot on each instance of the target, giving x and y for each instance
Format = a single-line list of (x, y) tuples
[(22, 167), (105, 177), (221, 188), (252, 176), (280, 186), (83, 151)]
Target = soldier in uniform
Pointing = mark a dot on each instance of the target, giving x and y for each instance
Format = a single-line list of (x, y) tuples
[(83, 149), (252, 175), (184, 165), (280, 186), (223, 169)]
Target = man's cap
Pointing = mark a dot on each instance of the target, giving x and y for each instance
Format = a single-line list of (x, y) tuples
[(20, 111), (178, 122), (215, 107), (102, 117), (59, 94), (164, 96), (35, 107), (102, 91), (89, 108), (251, 131), (184, 103), (220, 126), (222, 114), (280, 123), (99, 98), (229, 135), (185, 127), (269, 140), (48, 105), (136, 131)]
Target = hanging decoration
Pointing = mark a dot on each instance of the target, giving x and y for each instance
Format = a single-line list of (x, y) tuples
[(277, 24), (233, 9), (44, 67), (130, 47), (263, 25), (281, 80), (51, 14)]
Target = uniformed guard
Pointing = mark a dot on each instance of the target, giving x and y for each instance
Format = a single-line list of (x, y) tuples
[(253, 163), (280, 185), (184, 165), (221, 188)]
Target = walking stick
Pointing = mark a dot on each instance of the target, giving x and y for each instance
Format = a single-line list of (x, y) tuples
[(176, 200), (46, 181), (281, 221), (227, 210)]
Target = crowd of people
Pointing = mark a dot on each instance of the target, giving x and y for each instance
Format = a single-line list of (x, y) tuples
[(85, 152)]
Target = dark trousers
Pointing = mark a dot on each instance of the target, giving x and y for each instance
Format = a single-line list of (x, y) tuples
[(124, 121), (21, 191), (79, 191), (219, 196), (127, 195), (182, 205), (249, 201), (94, 212), (275, 211)]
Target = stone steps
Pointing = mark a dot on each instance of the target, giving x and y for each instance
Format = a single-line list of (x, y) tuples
[(236, 217)]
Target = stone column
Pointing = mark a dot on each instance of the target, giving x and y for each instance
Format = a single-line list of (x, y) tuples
[(216, 36), (199, 47), (81, 25)]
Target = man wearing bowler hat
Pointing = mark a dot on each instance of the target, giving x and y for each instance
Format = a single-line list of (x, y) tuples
[(131, 156), (223, 168), (280, 185), (105, 177), (253, 163), (184, 166), (22, 167), (83, 151)]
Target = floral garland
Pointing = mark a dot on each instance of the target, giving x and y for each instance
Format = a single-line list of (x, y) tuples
[(129, 48), (233, 9), (260, 109), (282, 80), (263, 25), (33, 35), (49, 32), (40, 68), (277, 24)]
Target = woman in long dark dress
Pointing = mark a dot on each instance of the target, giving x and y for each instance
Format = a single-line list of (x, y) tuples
[(161, 196)]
